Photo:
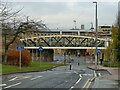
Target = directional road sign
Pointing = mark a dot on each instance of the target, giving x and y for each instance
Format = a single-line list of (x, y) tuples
[(40, 49), (98, 50), (20, 47)]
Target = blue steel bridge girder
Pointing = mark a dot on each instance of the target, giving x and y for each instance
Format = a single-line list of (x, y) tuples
[(57, 41)]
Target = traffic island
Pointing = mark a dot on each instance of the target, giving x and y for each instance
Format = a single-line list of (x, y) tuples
[(99, 68)]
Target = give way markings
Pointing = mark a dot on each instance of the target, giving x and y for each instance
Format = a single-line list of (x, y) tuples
[(19, 78), (24, 77), (16, 84)]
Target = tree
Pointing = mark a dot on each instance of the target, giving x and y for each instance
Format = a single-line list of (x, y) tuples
[(5, 15), (116, 38), (118, 44), (11, 27)]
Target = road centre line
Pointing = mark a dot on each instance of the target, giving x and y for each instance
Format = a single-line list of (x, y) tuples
[(13, 85), (35, 77)]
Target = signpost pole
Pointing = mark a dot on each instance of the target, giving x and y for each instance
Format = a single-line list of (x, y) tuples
[(20, 55), (40, 50), (40, 57), (20, 60)]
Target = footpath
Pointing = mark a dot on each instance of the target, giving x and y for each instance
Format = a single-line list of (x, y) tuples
[(111, 80)]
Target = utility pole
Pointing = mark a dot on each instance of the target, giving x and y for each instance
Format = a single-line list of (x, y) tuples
[(96, 24)]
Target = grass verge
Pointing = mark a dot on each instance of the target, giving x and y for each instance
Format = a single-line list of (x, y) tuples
[(35, 66)]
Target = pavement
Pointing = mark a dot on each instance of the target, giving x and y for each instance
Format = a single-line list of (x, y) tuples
[(114, 72), (111, 80)]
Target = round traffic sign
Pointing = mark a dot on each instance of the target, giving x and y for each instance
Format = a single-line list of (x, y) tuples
[(40, 49)]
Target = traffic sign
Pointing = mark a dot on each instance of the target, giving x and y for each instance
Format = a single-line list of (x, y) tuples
[(40, 49), (98, 50), (20, 47)]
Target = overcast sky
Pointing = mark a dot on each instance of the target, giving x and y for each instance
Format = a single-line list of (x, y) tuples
[(61, 14)]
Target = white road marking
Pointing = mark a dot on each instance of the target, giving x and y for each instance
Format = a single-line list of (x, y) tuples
[(35, 77), (78, 81), (86, 83), (23, 77), (88, 74), (99, 74), (13, 85), (80, 75), (75, 72), (13, 79), (2, 85), (95, 74), (66, 81), (71, 87)]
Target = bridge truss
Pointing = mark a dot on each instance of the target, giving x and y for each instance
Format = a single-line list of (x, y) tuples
[(63, 41)]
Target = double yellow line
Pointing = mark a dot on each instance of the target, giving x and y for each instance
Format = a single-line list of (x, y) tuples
[(87, 84)]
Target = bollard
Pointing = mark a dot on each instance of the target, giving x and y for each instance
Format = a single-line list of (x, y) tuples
[(78, 64), (70, 66)]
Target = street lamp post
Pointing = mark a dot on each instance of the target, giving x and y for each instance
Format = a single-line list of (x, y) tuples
[(91, 44), (96, 24)]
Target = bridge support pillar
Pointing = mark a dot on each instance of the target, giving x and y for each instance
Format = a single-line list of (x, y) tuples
[(47, 55)]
